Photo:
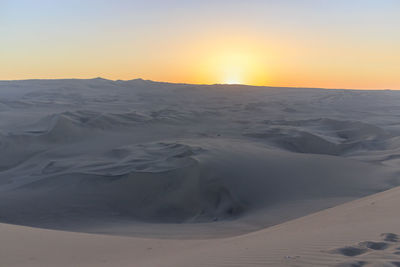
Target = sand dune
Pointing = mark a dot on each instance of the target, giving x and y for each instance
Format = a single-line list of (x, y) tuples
[(363, 232), (146, 159)]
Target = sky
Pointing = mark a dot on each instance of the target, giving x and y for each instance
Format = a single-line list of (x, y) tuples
[(302, 43)]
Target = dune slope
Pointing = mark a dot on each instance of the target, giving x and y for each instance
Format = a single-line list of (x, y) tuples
[(150, 159), (363, 232)]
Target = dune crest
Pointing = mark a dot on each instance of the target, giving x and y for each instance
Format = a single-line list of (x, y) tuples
[(189, 160)]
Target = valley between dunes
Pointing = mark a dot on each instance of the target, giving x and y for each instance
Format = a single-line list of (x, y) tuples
[(140, 173)]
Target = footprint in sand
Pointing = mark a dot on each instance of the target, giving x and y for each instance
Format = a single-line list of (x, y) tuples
[(361, 248), (350, 251), (369, 248), (352, 264), (390, 237), (369, 264), (374, 245)]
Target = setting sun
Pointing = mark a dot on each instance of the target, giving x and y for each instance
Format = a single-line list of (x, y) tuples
[(233, 74), (183, 133), (204, 43), (240, 62), (232, 80)]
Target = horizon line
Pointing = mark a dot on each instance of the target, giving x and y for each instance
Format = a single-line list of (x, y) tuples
[(199, 84)]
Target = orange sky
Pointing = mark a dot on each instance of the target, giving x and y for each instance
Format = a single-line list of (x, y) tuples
[(338, 44)]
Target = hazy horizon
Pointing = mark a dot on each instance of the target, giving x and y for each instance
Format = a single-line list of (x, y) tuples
[(320, 44), (198, 84), (166, 133)]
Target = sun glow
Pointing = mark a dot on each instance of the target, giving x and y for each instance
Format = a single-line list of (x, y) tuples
[(233, 68), (238, 63), (233, 74), (233, 80)]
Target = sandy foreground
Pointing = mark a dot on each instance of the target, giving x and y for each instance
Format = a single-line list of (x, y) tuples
[(320, 239), (140, 173)]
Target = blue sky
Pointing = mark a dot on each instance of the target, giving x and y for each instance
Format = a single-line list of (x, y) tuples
[(75, 32)]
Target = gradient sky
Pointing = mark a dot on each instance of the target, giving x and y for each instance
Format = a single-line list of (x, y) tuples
[(307, 43)]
